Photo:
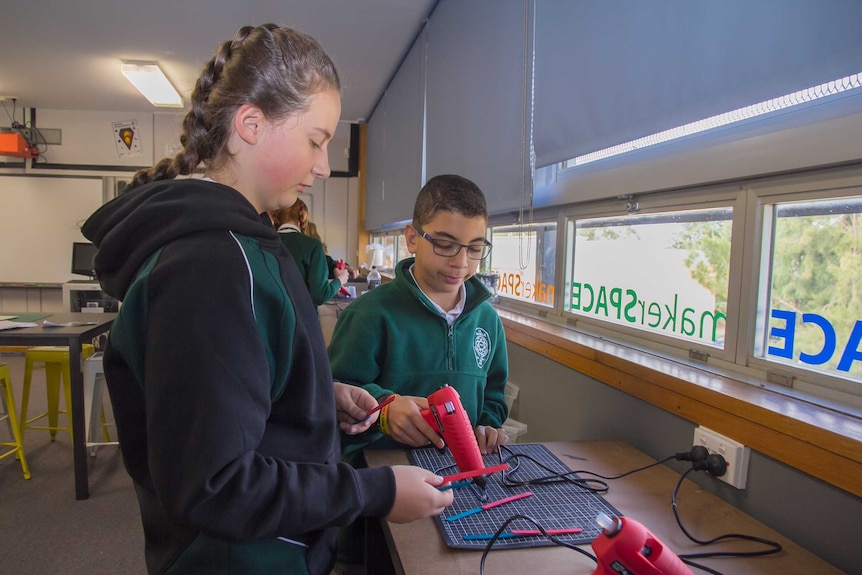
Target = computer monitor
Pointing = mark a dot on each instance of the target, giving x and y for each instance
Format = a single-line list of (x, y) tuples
[(82, 259)]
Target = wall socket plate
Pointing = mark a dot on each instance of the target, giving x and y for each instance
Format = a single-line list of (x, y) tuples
[(735, 453)]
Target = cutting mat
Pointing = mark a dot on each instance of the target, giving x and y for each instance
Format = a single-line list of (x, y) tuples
[(552, 505)]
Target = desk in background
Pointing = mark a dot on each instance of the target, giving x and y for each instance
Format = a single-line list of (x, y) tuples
[(418, 548), (329, 311), (72, 337), (86, 296)]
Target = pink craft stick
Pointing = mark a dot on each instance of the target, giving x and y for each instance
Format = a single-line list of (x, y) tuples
[(506, 500), (548, 531)]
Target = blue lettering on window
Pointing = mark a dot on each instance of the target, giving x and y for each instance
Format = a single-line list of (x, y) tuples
[(787, 333), (828, 340), (851, 352)]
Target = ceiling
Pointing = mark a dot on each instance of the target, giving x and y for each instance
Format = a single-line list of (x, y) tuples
[(62, 55)]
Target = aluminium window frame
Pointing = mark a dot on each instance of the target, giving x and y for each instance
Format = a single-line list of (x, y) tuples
[(518, 304), (749, 199), (708, 197), (826, 389)]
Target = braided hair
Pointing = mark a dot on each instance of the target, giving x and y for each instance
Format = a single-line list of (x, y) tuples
[(274, 68), (297, 213)]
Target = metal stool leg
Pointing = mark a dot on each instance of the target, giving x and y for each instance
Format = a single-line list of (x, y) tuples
[(8, 402)]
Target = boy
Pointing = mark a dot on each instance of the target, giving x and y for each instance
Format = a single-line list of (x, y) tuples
[(430, 326)]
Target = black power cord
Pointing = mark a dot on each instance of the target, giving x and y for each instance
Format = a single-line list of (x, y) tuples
[(598, 485), (539, 527), (772, 546), (555, 477)]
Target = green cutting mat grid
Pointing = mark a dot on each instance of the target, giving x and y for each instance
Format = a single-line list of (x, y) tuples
[(553, 505)]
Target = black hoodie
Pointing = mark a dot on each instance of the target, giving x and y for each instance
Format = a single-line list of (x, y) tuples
[(221, 388)]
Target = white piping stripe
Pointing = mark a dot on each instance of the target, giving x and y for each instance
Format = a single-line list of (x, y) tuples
[(250, 276)]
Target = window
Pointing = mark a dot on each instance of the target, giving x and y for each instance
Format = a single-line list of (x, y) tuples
[(810, 301), (663, 273), (387, 249), (524, 257), (759, 278)]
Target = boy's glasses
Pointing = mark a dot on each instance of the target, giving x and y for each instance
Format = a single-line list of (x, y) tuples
[(449, 249)]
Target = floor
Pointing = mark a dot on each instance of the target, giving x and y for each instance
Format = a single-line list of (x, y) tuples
[(43, 528)]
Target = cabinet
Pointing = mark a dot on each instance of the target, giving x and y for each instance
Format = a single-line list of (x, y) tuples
[(87, 296)]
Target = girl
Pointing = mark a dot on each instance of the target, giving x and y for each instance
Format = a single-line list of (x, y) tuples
[(226, 411), (308, 252)]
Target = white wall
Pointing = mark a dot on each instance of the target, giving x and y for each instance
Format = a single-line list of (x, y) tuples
[(40, 218), (334, 205), (40, 207)]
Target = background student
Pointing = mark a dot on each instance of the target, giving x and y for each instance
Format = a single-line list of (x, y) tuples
[(308, 252), (311, 230), (226, 410), (432, 325)]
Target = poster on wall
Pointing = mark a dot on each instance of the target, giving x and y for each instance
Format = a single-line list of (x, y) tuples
[(127, 138)]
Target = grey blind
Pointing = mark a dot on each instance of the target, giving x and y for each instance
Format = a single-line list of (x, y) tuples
[(475, 96), (611, 71), (375, 165), (394, 143)]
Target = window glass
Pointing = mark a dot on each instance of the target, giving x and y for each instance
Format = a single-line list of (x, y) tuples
[(812, 287), (385, 250), (524, 258), (401, 248), (662, 273)]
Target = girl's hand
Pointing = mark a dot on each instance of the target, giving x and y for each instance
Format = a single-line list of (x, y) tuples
[(351, 405), (416, 494)]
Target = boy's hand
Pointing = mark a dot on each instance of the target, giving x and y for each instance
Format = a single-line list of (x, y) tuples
[(351, 405), (489, 439), (406, 424), (416, 494)]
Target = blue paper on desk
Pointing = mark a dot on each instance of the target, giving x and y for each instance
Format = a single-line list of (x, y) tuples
[(562, 505)]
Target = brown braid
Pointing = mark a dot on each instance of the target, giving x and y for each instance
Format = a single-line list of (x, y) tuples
[(274, 68), (295, 214)]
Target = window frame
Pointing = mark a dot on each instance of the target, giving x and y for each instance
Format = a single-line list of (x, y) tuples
[(518, 304), (707, 197), (749, 199), (825, 389), (397, 236)]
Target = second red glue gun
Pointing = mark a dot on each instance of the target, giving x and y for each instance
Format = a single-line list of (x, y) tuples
[(342, 290)]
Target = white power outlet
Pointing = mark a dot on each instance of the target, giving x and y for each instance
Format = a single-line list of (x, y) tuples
[(735, 453)]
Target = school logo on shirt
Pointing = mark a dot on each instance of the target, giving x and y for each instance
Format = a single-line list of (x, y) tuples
[(481, 346)]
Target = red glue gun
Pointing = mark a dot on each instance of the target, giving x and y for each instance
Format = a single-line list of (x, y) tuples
[(626, 546), (342, 290), (446, 416)]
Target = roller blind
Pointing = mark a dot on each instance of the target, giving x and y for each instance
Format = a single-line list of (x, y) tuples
[(394, 143), (476, 97), (612, 71), (375, 146)]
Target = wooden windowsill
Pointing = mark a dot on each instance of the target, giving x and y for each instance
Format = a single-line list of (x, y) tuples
[(813, 439)]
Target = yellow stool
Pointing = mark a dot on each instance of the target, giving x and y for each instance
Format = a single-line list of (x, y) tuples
[(8, 403), (56, 360)]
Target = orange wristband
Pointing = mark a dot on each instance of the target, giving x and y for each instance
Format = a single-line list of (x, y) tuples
[(383, 420)]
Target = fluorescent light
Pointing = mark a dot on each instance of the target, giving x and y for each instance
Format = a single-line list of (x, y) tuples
[(150, 81), (852, 82)]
